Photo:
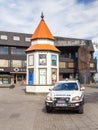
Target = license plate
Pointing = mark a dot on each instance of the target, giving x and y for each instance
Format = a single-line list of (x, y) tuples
[(61, 102), (61, 105)]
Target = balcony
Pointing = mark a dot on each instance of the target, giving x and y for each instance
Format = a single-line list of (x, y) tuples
[(64, 59), (70, 65)]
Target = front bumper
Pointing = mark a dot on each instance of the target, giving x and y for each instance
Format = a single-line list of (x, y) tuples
[(66, 105)]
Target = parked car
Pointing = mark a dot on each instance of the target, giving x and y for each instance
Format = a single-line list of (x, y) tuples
[(67, 94)]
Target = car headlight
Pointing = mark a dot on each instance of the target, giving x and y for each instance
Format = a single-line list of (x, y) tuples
[(77, 98), (48, 98)]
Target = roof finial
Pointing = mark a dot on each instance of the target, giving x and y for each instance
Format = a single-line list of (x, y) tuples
[(42, 16)]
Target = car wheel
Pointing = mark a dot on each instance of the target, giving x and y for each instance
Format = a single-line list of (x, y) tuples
[(48, 109), (81, 110)]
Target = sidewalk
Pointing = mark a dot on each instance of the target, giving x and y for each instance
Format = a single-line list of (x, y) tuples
[(7, 85)]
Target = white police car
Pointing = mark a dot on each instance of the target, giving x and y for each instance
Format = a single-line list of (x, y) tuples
[(66, 94)]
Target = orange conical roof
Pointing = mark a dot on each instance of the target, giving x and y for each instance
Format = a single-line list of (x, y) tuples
[(42, 31), (43, 47)]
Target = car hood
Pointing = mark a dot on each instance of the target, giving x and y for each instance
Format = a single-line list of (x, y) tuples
[(65, 93)]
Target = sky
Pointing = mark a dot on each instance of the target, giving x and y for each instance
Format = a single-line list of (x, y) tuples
[(66, 18)]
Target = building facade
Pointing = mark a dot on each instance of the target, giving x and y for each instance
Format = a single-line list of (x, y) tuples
[(13, 57), (76, 59), (71, 65)]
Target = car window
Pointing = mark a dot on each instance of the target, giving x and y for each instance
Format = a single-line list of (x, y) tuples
[(65, 86)]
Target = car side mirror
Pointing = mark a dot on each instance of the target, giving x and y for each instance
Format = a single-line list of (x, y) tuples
[(82, 88)]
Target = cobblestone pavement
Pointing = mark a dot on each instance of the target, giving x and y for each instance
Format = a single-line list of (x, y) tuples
[(21, 111)]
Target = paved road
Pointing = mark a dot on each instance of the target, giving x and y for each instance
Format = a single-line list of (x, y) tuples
[(20, 111)]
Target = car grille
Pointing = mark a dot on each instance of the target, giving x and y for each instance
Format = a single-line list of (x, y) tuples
[(67, 99)]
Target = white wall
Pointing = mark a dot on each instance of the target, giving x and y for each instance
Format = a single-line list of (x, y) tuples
[(48, 66)]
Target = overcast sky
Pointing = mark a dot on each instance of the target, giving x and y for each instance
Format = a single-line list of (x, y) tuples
[(66, 18)]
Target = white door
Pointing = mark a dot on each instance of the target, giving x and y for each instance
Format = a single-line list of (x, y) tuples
[(42, 76)]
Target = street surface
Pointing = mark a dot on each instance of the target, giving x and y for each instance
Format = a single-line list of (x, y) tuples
[(21, 111)]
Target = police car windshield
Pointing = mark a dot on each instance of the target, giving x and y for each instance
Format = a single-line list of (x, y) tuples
[(65, 86)]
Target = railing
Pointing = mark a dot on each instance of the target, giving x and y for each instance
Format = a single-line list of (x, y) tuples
[(62, 58), (93, 64)]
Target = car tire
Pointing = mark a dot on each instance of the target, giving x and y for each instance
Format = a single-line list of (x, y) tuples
[(48, 109), (81, 110)]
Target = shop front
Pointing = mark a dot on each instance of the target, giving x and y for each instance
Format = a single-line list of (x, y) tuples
[(5, 78), (18, 78)]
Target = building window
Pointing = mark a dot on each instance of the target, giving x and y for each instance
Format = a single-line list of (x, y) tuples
[(62, 64), (27, 39), (3, 50), (54, 60), (3, 37), (16, 38), (31, 60), (91, 65), (24, 63), (69, 55), (42, 76), (4, 63), (4, 79), (70, 65), (16, 63), (76, 54), (42, 59), (17, 51), (54, 76)]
